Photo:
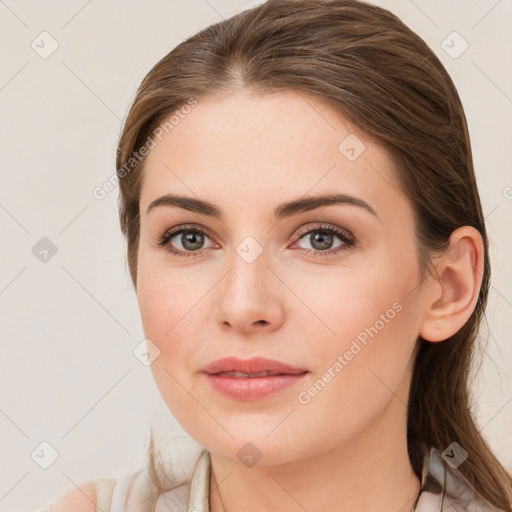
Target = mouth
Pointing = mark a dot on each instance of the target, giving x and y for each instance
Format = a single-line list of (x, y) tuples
[(256, 367), (241, 375), (252, 379)]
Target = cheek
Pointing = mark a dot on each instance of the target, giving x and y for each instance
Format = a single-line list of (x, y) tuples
[(371, 320), (165, 315), (356, 301), (360, 370), (164, 296), (153, 306), (172, 309)]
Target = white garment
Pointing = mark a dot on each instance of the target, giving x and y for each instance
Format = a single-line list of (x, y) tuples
[(443, 488), (190, 466)]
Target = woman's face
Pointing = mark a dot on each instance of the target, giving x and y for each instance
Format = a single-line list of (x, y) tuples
[(247, 283)]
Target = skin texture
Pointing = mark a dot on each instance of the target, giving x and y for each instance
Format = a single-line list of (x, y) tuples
[(79, 499), (346, 448)]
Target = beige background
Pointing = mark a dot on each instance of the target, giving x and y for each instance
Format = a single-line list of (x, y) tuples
[(69, 325)]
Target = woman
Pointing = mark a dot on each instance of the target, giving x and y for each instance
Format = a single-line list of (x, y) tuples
[(306, 241)]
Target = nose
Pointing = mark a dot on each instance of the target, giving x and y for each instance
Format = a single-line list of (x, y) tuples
[(250, 297)]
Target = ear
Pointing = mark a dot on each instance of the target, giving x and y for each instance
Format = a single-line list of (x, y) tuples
[(454, 295)]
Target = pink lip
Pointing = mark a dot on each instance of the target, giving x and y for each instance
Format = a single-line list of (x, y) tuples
[(251, 388), (254, 365)]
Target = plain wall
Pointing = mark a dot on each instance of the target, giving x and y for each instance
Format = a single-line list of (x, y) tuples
[(69, 325)]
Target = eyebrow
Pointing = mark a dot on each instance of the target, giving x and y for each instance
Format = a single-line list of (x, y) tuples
[(286, 209)]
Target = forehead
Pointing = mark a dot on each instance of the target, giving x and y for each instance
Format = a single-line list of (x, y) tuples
[(263, 148)]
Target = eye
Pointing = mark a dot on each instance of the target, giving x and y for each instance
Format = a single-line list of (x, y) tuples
[(190, 238), (322, 238)]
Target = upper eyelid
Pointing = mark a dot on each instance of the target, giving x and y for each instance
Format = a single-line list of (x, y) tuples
[(324, 226), (176, 230)]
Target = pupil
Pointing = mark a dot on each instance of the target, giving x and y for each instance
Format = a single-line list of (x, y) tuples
[(324, 239), (193, 238)]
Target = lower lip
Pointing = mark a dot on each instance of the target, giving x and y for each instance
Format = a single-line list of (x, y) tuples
[(252, 388)]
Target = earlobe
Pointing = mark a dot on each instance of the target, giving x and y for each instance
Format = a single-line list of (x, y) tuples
[(459, 277)]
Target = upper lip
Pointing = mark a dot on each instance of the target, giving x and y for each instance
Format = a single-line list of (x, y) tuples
[(254, 365)]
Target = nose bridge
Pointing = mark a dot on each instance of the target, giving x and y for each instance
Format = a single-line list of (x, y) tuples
[(248, 279), (248, 295)]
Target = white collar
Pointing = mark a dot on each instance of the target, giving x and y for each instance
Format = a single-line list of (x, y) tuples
[(442, 487)]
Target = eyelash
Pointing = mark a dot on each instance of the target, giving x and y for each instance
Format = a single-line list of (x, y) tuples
[(349, 242)]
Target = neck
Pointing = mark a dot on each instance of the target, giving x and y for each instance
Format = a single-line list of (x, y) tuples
[(371, 473)]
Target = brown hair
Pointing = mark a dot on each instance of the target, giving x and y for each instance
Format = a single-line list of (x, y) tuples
[(371, 68)]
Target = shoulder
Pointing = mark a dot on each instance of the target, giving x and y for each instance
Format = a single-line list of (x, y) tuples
[(80, 499), (445, 487), (135, 491), (86, 497)]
